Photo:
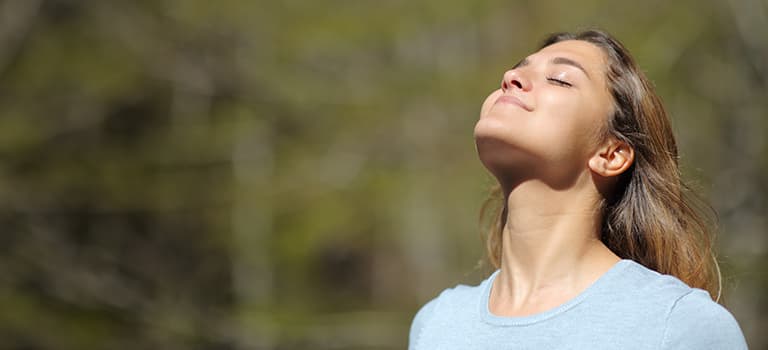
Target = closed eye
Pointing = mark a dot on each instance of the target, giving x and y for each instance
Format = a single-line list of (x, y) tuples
[(560, 82)]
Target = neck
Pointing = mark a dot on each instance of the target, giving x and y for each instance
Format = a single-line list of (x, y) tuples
[(551, 247)]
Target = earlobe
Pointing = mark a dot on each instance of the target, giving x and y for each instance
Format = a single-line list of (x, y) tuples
[(613, 159)]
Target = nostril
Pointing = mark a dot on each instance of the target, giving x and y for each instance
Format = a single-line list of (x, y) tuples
[(517, 83), (504, 85)]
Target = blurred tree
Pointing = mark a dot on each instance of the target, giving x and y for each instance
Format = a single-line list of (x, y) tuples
[(293, 174)]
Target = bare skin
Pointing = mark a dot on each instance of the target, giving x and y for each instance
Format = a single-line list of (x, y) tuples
[(542, 142)]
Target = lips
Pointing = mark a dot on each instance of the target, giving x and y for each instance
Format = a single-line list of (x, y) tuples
[(509, 99)]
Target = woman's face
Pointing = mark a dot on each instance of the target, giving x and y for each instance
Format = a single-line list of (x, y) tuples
[(546, 118)]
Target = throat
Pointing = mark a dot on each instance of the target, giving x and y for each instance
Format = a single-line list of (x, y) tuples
[(516, 294), (521, 304)]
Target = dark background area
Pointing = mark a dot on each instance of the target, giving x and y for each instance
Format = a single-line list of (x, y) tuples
[(301, 174)]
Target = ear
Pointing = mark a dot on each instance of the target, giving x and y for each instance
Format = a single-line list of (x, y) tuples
[(612, 158)]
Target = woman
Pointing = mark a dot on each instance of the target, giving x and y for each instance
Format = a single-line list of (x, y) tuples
[(595, 245)]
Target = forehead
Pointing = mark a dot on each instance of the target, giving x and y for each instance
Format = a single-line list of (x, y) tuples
[(587, 54)]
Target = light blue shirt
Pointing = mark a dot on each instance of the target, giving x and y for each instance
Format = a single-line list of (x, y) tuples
[(629, 307)]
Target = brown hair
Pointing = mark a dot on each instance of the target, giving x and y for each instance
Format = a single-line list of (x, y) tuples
[(652, 217)]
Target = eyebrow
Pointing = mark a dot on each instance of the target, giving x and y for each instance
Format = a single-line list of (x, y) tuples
[(556, 60)]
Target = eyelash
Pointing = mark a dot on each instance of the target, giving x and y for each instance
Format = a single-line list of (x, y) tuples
[(560, 82)]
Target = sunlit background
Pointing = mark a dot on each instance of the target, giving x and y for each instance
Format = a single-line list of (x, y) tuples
[(301, 174)]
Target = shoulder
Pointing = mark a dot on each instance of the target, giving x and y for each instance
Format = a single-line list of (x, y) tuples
[(697, 322), (648, 281), (449, 304), (646, 286), (692, 320), (457, 297), (419, 321)]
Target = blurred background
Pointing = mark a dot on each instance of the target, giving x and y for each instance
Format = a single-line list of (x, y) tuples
[(301, 174)]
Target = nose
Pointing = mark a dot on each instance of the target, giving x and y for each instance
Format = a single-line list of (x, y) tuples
[(513, 79)]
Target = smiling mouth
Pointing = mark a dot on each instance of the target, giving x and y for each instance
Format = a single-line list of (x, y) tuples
[(509, 99)]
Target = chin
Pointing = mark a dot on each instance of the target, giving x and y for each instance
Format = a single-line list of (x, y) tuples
[(497, 155), (490, 126), (506, 160)]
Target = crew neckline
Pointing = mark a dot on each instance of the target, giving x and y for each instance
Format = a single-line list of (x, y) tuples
[(600, 283)]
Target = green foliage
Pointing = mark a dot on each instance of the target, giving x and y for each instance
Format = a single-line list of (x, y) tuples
[(294, 174)]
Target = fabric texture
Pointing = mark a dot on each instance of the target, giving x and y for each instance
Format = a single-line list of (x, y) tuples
[(629, 307)]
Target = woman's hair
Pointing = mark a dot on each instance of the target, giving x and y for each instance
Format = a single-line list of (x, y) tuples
[(651, 217)]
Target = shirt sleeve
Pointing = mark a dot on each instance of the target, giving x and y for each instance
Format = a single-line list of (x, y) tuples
[(697, 322), (419, 321)]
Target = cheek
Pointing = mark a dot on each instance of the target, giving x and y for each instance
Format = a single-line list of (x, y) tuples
[(569, 124)]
